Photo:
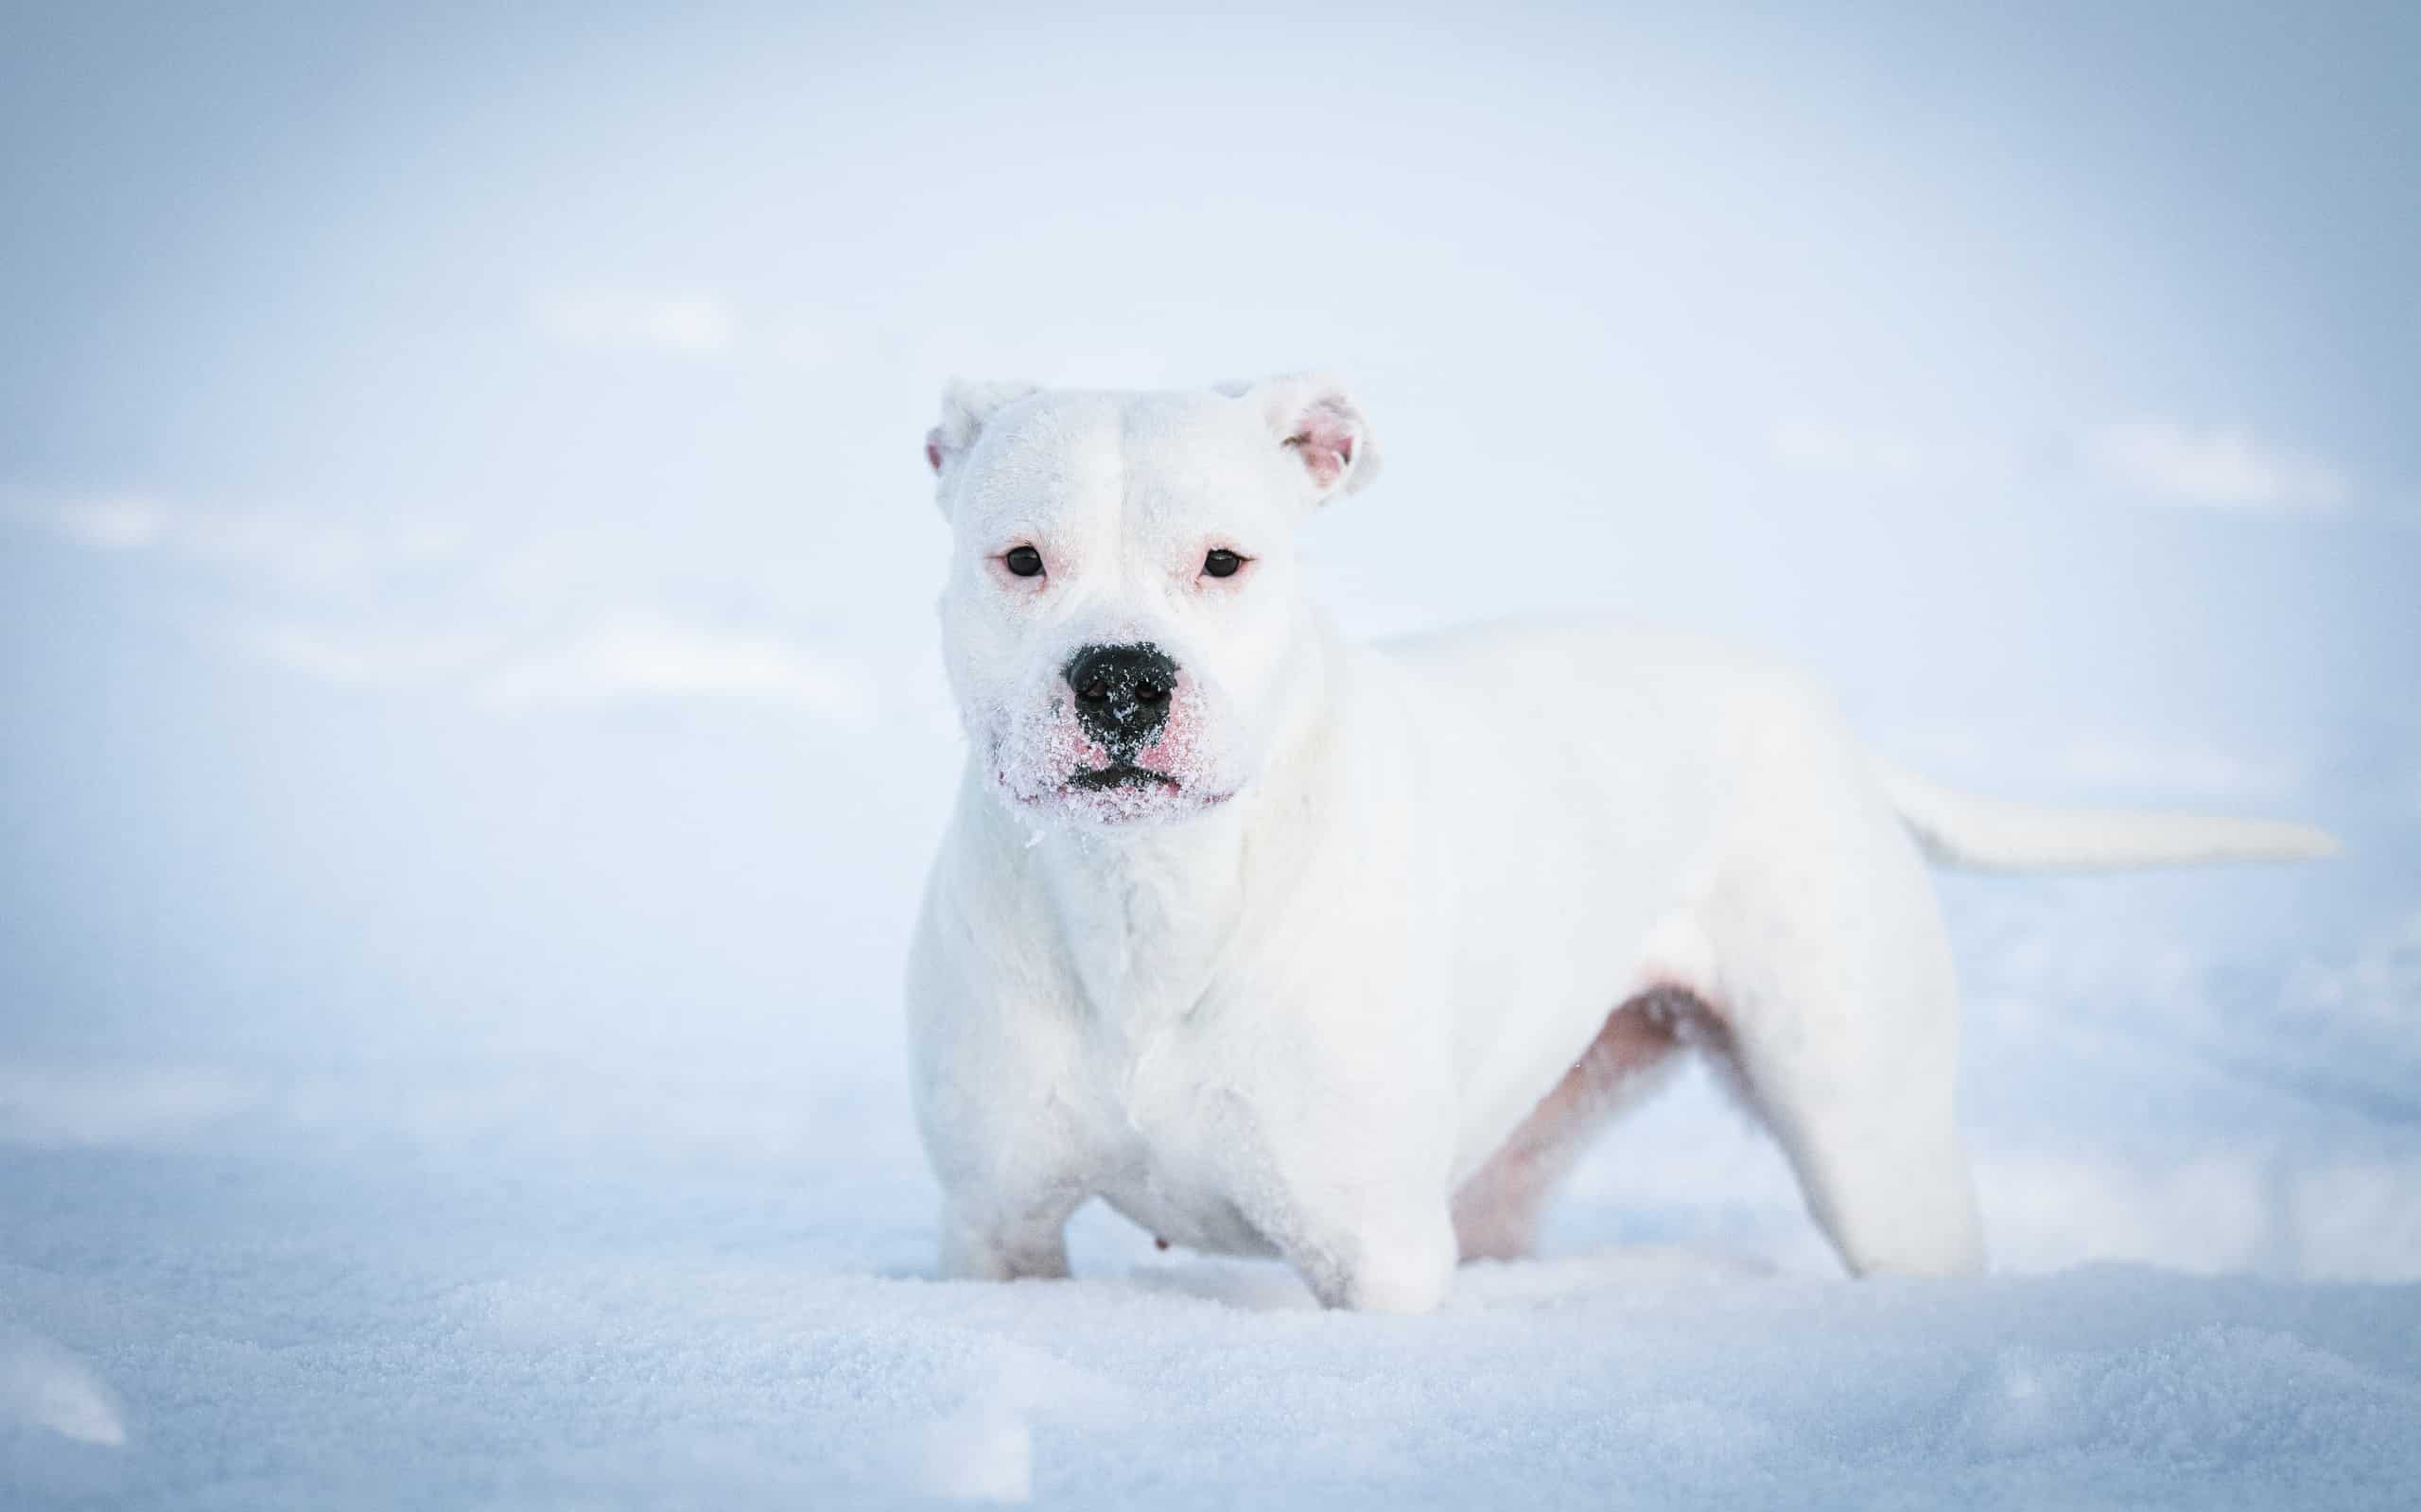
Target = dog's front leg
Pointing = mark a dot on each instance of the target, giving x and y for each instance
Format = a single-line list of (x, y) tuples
[(1004, 1143), (1391, 1257), (988, 1241), (1012, 1174), (1354, 1197)]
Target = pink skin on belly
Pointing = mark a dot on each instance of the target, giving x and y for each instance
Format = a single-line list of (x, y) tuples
[(1497, 1212)]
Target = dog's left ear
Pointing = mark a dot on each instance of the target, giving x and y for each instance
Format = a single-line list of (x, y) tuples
[(1313, 416)]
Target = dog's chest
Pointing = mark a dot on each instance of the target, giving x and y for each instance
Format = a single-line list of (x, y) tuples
[(1177, 1140), (1176, 1063), (1141, 944), (1179, 1212)]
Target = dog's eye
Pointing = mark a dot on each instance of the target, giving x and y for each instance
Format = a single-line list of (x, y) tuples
[(1025, 562), (1221, 562)]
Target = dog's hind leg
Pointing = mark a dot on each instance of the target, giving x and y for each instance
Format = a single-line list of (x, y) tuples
[(1497, 1212), (1886, 1181), (1839, 1018)]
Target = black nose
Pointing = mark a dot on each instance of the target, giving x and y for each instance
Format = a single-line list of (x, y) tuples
[(1121, 694)]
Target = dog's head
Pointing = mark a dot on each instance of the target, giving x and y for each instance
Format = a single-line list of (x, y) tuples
[(1125, 624)]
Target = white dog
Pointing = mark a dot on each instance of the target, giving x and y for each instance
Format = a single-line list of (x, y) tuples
[(1285, 944)]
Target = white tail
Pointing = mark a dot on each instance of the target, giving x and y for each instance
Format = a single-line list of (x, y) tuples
[(1986, 834)]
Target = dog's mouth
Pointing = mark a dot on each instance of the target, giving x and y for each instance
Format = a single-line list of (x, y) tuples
[(1099, 791), (1122, 775)]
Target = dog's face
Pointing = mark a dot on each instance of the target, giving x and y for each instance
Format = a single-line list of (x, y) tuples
[(1126, 623)]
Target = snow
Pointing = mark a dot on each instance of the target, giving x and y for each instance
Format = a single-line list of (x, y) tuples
[(564, 1280)]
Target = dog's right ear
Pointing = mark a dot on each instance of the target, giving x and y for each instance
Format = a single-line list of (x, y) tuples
[(965, 408)]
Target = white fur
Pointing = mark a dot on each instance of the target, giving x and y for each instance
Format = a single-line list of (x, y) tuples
[(1295, 1000)]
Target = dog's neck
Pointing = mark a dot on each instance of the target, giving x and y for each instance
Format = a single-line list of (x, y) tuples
[(1143, 917), (1147, 915)]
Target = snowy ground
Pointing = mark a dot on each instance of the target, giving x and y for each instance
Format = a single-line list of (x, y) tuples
[(290, 1333), (516, 1278)]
